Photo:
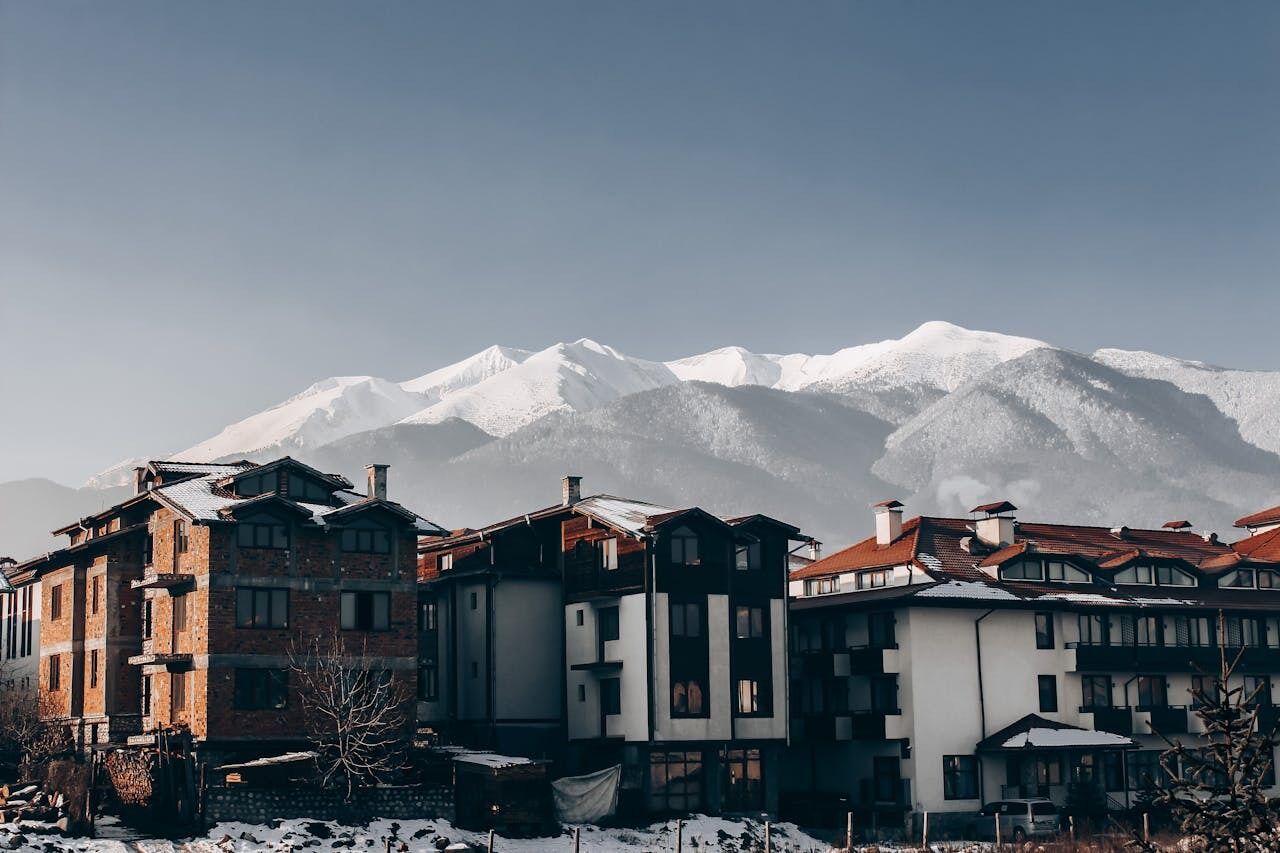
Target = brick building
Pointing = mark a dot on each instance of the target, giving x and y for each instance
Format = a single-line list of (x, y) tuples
[(180, 605)]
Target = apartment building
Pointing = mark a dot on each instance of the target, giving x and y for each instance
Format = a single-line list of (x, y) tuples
[(655, 640), (947, 662), (19, 628), (181, 606)]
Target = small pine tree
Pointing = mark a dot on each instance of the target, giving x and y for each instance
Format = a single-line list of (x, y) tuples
[(1216, 790)]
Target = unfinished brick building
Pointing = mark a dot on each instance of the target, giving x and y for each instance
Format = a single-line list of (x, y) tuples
[(180, 606)]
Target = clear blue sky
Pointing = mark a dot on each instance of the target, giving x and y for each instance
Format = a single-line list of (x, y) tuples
[(206, 206)]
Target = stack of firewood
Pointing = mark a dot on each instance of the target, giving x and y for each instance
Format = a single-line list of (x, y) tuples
[(132, 775), (26, 802)]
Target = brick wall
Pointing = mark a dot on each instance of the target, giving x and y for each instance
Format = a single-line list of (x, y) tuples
[(259, 805)]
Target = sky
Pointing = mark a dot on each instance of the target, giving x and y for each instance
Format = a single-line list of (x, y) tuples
[(207, 206)]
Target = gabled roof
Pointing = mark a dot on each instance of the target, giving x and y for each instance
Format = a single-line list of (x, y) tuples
[(336, 480), (868, 554), (1261, 547), (995, 508), (1270, 515), (1036, 732)]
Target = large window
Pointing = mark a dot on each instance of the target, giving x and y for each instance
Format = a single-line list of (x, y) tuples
[(262, 608), (959, 777), (610, 696), (1193, 631), (881, 631), (1044, 631), (1023, 570), (179, 604), (1142, 574), (261, 689), (1145, 771), (684, 547), (303, 489), (686, 620), (607, 622), (1257, 690), (1095, 691), (745, 790), (748, 696), (875, 579), (1063, 572), (262, 532), (55, 672), (687, 699), (675, 781), (1093, 629), (366, 541), (427, 616), (366, 611), (1048, 689), (747, 558), (1153, 692), (749, 622), (822, 586), (177, 693)]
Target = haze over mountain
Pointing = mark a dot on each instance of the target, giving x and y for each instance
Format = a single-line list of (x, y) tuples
[(942, 418)]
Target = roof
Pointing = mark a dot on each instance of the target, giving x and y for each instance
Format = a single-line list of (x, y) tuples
[(272, 761), (1036, 732), (633, 516), (1270, 515), (995, 507), (1261, 547)]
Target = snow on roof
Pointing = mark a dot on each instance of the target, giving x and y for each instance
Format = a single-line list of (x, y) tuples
[(930, 561), (1064, 738), (622, 513), (967, 589), (492, 759), (196, 497), (223, 468), (271, 761)]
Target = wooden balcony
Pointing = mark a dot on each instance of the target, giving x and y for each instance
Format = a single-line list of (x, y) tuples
[(163, 581)]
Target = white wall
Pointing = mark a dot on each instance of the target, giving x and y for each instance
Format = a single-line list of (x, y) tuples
[(527, 650), (774, 727), (21, 670), (719, 696)]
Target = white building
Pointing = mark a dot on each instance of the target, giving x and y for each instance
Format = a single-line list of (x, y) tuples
[(944, 663), (19, 631), (630, 633)]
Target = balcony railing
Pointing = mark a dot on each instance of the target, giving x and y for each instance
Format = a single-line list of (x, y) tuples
[(1164, 719), (1118, 721), (1098, 657)]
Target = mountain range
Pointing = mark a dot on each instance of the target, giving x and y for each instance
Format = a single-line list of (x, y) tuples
[(942, 418)]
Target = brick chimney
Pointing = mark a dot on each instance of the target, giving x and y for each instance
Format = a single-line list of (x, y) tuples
[(570, 490), (139, 480), (888, 521), (377, 477), (997, 527)]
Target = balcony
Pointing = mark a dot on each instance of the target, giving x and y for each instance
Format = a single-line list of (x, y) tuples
[(1118, 721), (163, 581), (870, 660), (1162, 720), (169, 660), (1090, 657), (597, 666)]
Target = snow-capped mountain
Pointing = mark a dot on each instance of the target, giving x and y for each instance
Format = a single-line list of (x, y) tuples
[(440, 383)]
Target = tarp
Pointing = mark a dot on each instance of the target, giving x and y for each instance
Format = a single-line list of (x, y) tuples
[(587, 799)]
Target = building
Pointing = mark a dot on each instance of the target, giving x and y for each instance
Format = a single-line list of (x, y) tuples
[(181, 606), (19, 628), (947, 662), (625, 633)]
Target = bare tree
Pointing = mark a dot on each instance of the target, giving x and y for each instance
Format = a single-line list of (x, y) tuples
[(358, 715), (28, 733), (1216, 790)]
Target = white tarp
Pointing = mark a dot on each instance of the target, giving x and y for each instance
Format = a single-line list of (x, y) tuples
[(587, 799)]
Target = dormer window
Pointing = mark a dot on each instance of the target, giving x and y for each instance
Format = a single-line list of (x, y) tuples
[(1268, 579), (257, 484), (1064, 572), (684, 547), (1023, 570), (1239, 579), (1146, 575), (302, 489), (1170, 576)]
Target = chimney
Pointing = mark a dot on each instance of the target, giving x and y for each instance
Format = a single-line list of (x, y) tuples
[(815, 550), (996, 528), (888, 521), (570, 490), (1181, 525), (139, 480), (377, 476)]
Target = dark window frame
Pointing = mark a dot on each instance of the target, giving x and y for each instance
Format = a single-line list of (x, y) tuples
[(260, 689), (364, 612), (959, 777), (1045, 638), (251, 601), (1047, 690)]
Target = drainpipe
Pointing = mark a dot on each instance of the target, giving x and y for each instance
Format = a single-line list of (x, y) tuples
[(982, 700)]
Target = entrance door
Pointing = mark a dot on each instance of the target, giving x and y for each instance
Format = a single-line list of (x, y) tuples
[(886, 779), (744, 780)]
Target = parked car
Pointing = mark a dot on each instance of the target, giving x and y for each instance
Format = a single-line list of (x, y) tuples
[(1019, 820)]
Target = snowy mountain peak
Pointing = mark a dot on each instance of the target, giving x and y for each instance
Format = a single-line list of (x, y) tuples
[(467, 372)]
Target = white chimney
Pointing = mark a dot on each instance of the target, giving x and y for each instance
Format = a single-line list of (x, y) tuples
[(377, 477), (815, 550), (888, 522), (570, 490), (997, 527)]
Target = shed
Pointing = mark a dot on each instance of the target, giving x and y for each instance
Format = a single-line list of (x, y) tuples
[(509, 794)]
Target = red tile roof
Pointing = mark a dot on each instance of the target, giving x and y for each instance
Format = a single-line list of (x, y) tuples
[(1261, 548), (995, 507), (1271, 515)]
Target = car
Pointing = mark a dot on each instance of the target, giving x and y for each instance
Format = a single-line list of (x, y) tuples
[(1035, 817)]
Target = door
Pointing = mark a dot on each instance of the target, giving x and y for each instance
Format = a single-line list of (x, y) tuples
[(887, 779), (744, 780)]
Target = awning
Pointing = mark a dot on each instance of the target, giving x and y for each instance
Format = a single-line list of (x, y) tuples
[(1035, 732)]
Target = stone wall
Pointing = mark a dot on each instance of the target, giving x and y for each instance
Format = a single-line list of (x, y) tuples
[(259, 805)]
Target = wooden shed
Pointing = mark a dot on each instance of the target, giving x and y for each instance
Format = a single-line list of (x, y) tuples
[(509, 794)]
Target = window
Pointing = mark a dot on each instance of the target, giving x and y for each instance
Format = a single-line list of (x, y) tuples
[(93, 667), (1048, 687), (427, 616), (262, 608), (748, 696), (675, 781), (1257, 691), (1139, 574), (822, 586), (610, 696), (475, 601), (609, 554), (177, 692), (1149, 631), (146, 696), (747, 558), (361, 541), (582, 692), (181, 542), (55, 672), (959, 777), (303, 489), (686, 620), (1192, 631), (146, 619), (261, 689), (179, 612), (95, 594), (262, 533), (1170, 576), (428, 682), (1203, 689), (1044, 630), (684, 547), (1066, 573), (148, 550), (1023, 570), (750, 622), (881, 631), (1095, 691), (1245, 631), (1268, 579), (257, 484), (744, 790), (578, 617), (1239, 579), (1152, 692), (444, 562), (686, 699), (873, 580), (55, 602), (607, 623), (366, 611), (1093, 629)]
